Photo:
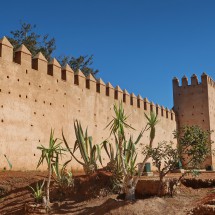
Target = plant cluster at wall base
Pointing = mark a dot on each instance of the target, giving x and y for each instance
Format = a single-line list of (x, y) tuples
[(193, 148), (122, 154)]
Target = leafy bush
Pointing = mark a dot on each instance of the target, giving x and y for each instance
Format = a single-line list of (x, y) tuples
[(194, 145)]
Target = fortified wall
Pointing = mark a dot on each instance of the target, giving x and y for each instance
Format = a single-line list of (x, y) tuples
[(194, 104), (36, 95)]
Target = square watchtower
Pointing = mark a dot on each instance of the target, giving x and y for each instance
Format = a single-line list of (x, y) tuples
[(194, 104)]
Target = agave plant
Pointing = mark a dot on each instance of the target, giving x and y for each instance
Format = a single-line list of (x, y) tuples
[(38, 192), (63, 177), (90, 153), (112, 155)]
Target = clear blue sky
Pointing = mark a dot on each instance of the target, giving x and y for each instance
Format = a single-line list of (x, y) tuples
[(139, 45)]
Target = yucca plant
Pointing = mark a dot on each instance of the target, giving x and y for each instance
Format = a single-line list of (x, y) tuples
[(51, 155), (38, 192), (90, 153), (127, 151)]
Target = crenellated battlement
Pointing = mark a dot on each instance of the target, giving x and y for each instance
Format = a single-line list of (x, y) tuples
[(65, 74), (205, 80), (37, 95)]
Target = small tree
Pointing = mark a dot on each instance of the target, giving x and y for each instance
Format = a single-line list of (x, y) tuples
[(33, 41), (51, 156), (83, 63), (166, 158), (194, 146)]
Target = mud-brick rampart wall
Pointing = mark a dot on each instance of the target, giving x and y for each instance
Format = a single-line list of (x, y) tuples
[(36, 96)]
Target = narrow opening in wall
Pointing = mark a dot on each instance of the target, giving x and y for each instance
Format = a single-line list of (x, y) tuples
[(9, 92), (76, 80), (98, 88), (35, 113), (50, 103), (50, 70), (167, 115), (18, 80), (64, 94), (2, 106), (63, 75), (57, 80), (35, 100), (151, 107), (107, 91), (145, 106), (124, 98), (138, 103), (20, 96), (7, 76), (2, 120), (0, 90), (44, 102), (39, 86), (29, 83), (161, 112), (171, 116), (26, 71), (131, 100), (157, 110), (116, 94), (87, 83)]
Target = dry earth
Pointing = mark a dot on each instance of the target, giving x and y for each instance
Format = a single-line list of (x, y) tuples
[(17, 194)]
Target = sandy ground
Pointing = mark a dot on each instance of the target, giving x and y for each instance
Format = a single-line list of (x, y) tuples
[(17, 194)]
